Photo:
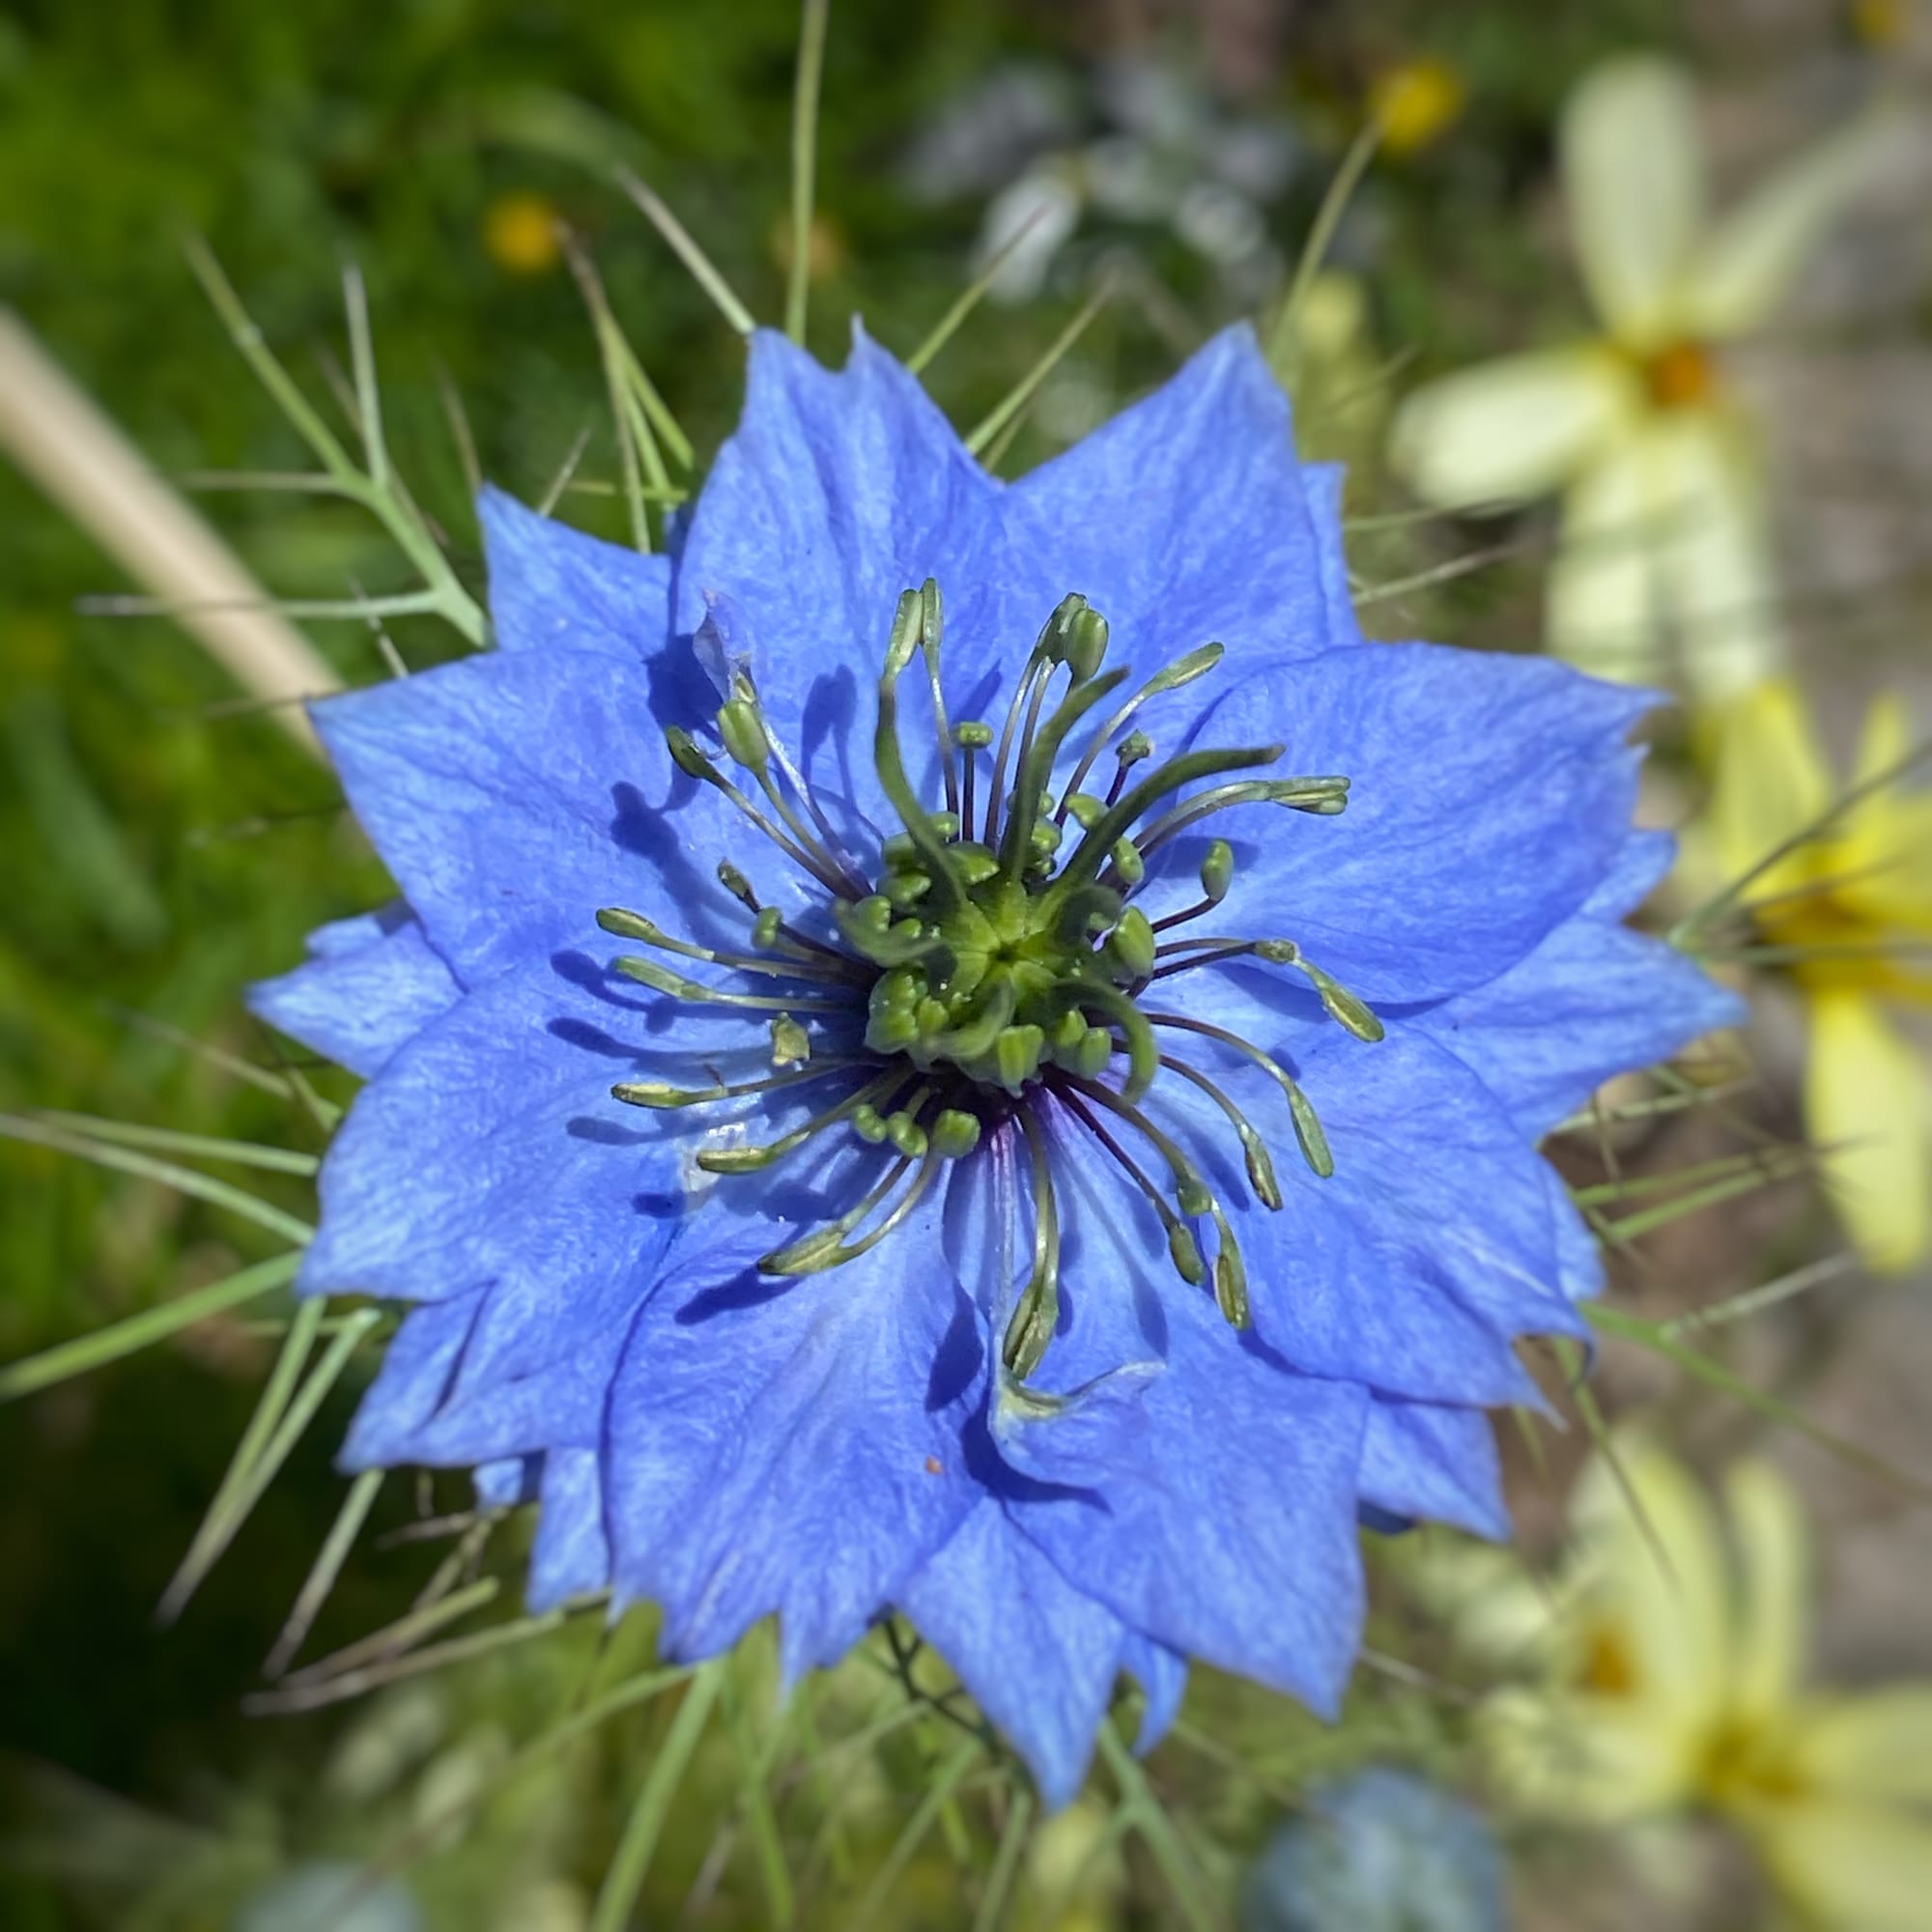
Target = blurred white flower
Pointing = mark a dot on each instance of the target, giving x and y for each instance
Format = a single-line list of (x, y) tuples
[(1664, 529)]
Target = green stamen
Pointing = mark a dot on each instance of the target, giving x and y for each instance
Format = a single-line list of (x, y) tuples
[(1036, 1313)]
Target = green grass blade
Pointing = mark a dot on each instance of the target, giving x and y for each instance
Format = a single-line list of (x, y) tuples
[(164, 1139), (992, 1911), (1654, 1336), (767, 1842), (948, 325), (631, 1863), (1314, 251), (183, 1179), (323, 1573), (703, 270), (1150, 1819), (249, 1476), (87, 1352), (805, 161), (1022, 394), (946, 1781)]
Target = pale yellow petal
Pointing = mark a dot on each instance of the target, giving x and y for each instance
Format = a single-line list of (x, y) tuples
[(1771, 781), (1868, 1106), (1633, 174), (1590, 1759), (1875, 1746), (1718, 582), (1603, 612), (1660, 1572), (1886, 845), (1853, 1868), (1774, 1557), (1513, 428), (1750, 263)]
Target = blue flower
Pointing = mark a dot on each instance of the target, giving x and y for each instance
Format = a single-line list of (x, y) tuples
[(1381, 1852), (894, 1085)]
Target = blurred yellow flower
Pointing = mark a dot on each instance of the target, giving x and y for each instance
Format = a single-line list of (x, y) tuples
[(520, 231), (1847, 912), (1415, 103), (1672, 1682), (1881, 23), (1664, 532)]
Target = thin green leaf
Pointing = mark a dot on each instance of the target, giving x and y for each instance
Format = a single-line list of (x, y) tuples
[(323, 1573), (805, 161), (1148, 1817), (183, 1179), (925, 1815), (1314, 251), (247, 1480), (1654, 1336), (704, 272), (991, 1914), (631, 1863), (164, 1139), (996, 419), (948, 325), (87, 1352)]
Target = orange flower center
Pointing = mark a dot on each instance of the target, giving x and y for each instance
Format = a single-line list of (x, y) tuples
[(1680, 377)]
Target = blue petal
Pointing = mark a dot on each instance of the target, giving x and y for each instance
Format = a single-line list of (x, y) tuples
[(1162, 1675), (792, 1446), (1429, 1250), (552, 587), (506, 1484), (1187, 520), (1639, 869), (370, 984), (571, 1556), (1592, 1000), (1489, 798), (1324, 483), (1225, 1529), (839, 492), (486, 1156), (1039, 1656), (513, 795), (1421, 1460)]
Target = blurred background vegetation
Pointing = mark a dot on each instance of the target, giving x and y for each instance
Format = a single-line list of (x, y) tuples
[(159, 846)]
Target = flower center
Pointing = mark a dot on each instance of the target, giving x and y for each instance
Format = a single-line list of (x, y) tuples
[(994, 966), (1680, 376)]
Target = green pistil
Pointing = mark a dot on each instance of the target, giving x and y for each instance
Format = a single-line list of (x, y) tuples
[(997, 958)]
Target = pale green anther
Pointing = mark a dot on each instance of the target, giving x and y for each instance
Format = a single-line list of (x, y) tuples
[(1260, 1169), (933, 1018), (1084, 809), (868, 1123), (1134, 747), (1086, 644), (662, 1094), (954, 1134), (905, 636), (872, 915), (907, 889), (1314, 1143), (906, 1135), (931, 612), (629, 925), (1129, 863), (1217, 872), (1055, 638), (891, 1028), (737, 885), (1035, 1318), (1231, 1286), (1044, 839), (766, 927), (1184, 1251), (977, 862), (1069, 1030), (805, 1256), (735, 1160), (687, 757), (791, 1045), (1131, 945), (1185, 669), (743, 731), (1016, 1051), (1278, 952), (973, 735), (1341, 1005)]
